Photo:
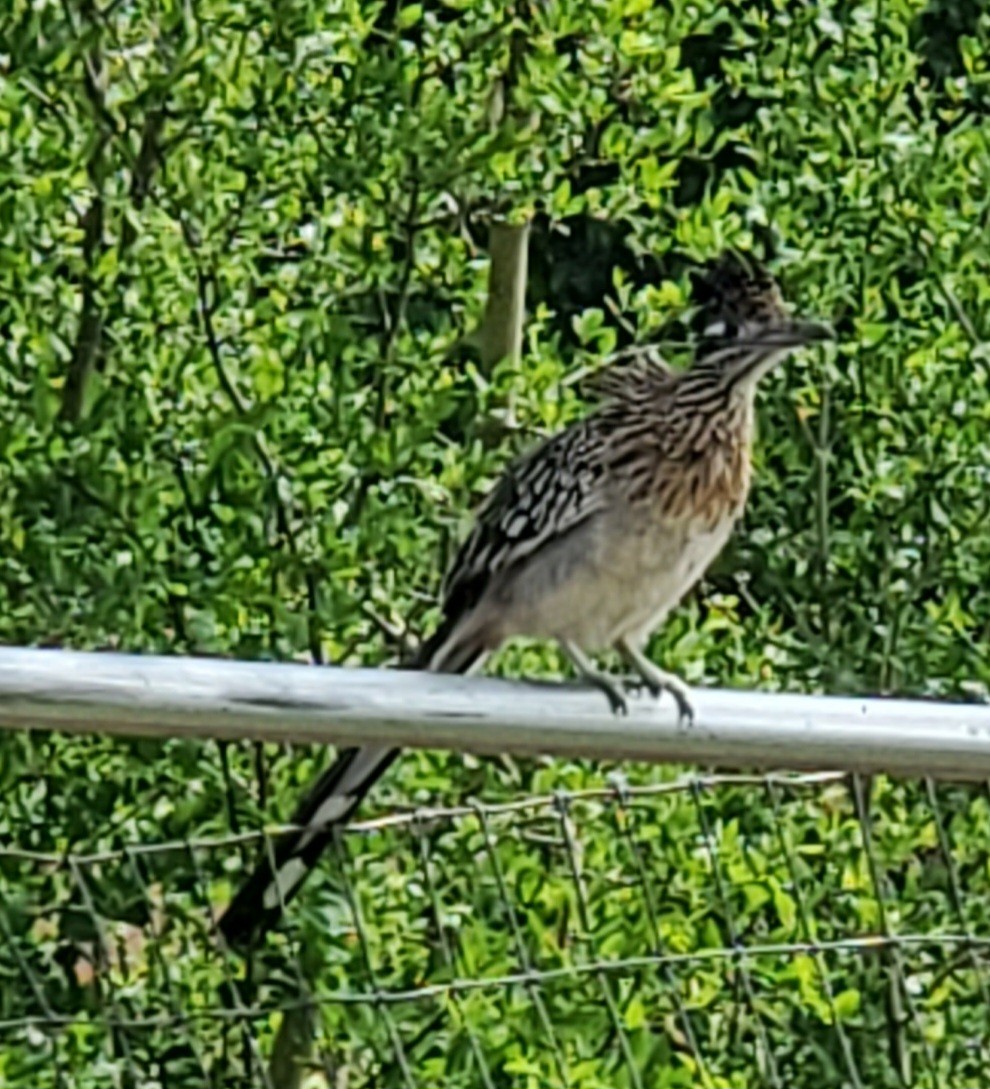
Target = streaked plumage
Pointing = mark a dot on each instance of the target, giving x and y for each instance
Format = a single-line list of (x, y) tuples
[(590, 539), (634, 377)]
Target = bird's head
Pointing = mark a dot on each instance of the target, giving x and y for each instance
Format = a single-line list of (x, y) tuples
[(746, 327)]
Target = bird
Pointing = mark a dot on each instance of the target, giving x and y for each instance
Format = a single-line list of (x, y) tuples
[(590, 539)]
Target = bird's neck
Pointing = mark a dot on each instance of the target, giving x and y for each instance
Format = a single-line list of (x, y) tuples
[(711, 413)]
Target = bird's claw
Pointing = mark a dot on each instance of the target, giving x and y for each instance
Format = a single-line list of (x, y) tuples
[(613, 693), (616, 699), (685, 712)]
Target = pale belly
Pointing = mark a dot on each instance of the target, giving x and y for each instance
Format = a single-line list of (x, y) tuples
[(601, 589)]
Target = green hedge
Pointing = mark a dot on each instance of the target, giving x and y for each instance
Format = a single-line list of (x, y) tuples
[(241, 414)]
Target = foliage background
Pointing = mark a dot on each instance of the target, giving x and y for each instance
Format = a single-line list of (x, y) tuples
[(243, 255)]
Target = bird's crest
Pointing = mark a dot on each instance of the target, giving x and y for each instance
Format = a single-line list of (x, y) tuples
[(737, 295)]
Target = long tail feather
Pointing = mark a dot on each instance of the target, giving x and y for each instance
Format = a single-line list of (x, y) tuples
[(281, 872), (279, 875)]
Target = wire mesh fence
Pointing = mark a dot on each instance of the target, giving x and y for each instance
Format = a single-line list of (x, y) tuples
[(713, 930)]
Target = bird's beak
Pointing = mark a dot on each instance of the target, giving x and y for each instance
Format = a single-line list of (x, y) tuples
[(795, 333)]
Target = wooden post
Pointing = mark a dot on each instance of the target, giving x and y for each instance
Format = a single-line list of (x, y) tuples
[(502, 328), (292, 1050)]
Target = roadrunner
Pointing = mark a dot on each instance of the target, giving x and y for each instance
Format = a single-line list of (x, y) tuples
[(591, 540)]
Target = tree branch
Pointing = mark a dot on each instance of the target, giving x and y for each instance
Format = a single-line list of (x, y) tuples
[(90, 331)]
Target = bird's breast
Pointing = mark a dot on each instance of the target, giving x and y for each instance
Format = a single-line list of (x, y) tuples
[(700, 488)]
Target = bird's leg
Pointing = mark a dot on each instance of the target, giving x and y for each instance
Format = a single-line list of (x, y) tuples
[(657, 680), (600, 679)]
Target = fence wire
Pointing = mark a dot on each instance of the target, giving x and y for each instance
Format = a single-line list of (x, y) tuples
[(715, 930)]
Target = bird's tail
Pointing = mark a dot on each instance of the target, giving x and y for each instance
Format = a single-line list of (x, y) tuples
[(278, 876)]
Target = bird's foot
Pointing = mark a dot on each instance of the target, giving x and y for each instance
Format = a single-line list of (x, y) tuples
[(657, 681), (613, 693), (602, 681), (682, 697), (680, 693)]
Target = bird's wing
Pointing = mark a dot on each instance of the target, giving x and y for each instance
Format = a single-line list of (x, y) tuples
[(539, 498)]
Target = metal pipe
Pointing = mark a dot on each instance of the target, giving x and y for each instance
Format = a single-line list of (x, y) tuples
[(217, 698)]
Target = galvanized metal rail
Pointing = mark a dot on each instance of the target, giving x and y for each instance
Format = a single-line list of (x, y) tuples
[(217, 698)]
